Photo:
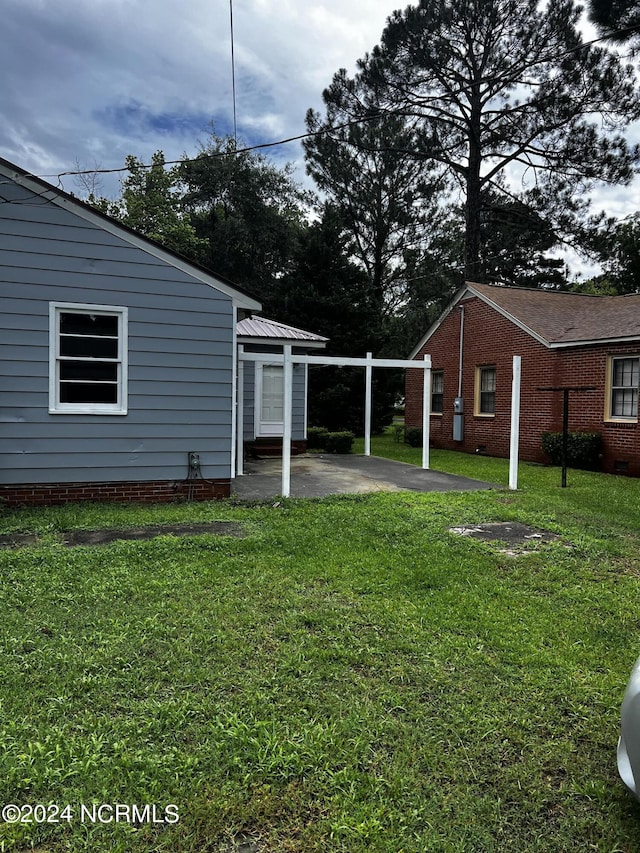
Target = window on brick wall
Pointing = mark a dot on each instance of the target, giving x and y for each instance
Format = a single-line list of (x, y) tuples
[(87, 359), (623, 380), (437, 391), (485, 391)]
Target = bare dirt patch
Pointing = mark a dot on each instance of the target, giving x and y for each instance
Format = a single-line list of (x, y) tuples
[(518, 538), (104, 537), (18, 540)]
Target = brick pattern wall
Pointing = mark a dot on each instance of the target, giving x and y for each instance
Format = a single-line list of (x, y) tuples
[(49, 494), (492, 340)]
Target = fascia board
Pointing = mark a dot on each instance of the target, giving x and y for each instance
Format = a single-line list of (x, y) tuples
[(279, 342), (594, 342), (435, 326)]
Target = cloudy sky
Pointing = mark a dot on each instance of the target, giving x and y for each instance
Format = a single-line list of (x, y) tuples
[(94, 80), (90, 81)]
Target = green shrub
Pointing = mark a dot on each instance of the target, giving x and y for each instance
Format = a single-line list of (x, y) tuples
[(397, 430), (584, 449), (339, 442), (317, 438), (413, 436)]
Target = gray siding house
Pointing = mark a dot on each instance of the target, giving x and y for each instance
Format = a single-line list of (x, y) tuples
[(118, 358)]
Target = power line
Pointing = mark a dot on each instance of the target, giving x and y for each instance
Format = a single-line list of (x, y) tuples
[(248, 148), (310, 134), (233, 77)]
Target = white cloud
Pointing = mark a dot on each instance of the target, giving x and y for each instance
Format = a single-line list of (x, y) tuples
[(94, 80)]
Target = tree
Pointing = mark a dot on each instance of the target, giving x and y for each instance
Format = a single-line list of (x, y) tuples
[(384, 195), (617, 20), (250, 213), (620, 254), (490, 89), (151, 203), (515, 242), (327, 292)]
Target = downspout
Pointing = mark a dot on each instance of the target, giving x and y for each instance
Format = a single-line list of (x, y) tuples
[(234, 389), (460, 360)]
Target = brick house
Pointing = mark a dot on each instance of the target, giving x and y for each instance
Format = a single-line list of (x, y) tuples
[(564, 339)]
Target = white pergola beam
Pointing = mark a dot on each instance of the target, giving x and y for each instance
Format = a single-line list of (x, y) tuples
[(426, 411), (335, 361), (240, 415)]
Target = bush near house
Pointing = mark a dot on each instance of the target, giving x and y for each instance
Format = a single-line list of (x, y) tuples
[(316, 438), (413, 436), (319, 438), (584, 449), (339, 442)]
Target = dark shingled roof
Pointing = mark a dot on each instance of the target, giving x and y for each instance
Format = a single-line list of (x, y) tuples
[(560, 318)]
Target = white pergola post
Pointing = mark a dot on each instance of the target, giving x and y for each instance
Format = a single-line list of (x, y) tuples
[(426, 410), (367, 404), (515, 423), (287, 419), (240, 415)]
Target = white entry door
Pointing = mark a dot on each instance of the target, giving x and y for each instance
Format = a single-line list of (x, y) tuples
[(270, 399)]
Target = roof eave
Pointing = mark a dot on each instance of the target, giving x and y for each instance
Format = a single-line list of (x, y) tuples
[(277, 342), (107, 223), (592, 342)]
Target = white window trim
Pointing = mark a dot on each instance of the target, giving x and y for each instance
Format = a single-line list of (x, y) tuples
[(55, 406), (608, 414), (275, 428)]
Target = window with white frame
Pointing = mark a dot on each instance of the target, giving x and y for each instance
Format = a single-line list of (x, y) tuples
[(437, 391), (624, 377), (87, 359)]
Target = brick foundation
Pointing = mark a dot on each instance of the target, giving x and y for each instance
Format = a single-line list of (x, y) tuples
[(156, 491)]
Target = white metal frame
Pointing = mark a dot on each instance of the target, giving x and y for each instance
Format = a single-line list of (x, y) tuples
[(288, 359)]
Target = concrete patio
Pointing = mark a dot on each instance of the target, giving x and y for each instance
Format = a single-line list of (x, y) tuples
[(316, 476)]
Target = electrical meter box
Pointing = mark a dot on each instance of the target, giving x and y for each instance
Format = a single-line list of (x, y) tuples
[(458, 419)]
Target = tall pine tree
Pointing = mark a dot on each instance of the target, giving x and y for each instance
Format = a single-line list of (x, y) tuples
[(500, 89)]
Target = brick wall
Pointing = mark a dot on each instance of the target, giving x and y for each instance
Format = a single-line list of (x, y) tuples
[(492, 340), (157, 491)]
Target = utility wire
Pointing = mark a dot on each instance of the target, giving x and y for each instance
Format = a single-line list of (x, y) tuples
[(310, 134), (233, 77)]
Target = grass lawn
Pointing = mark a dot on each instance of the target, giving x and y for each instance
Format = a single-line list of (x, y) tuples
[(350, 676)]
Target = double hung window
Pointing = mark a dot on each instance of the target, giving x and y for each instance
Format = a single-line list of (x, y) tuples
[(437, 391), (624, 377), (87, 359), (485, 397)]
